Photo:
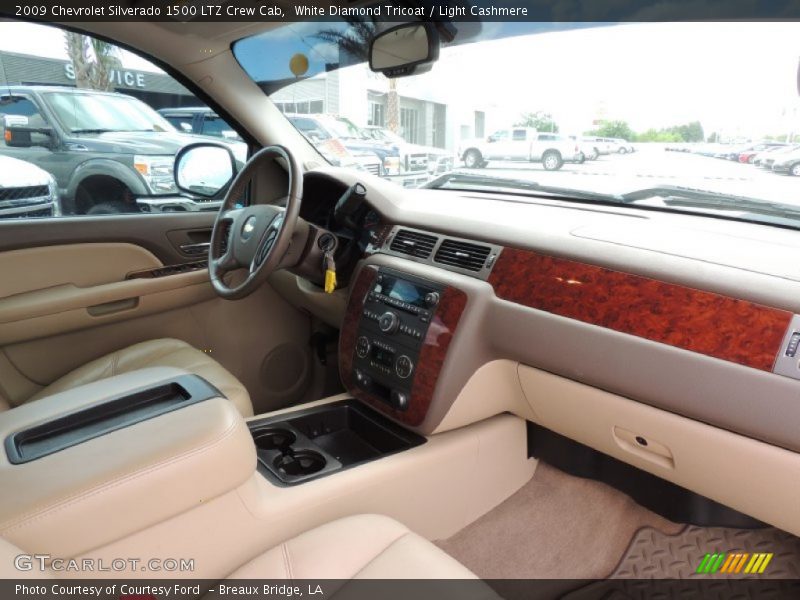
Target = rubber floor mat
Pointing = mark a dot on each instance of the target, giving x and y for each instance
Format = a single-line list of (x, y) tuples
[(655, 555)]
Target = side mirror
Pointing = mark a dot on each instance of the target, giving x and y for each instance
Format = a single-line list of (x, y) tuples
[(26, 137), (204, 169), (404, 50)]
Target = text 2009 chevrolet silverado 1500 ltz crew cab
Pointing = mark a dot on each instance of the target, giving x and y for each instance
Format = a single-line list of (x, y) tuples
[(511, 382)]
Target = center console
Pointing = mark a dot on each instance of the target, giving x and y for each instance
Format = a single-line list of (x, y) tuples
[(394, 341), (79, 459)]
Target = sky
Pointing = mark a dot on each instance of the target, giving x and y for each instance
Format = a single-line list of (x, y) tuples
[(41, 40), (736, 77)]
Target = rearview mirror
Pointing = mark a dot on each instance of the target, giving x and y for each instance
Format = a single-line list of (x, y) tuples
[(26, 137), (404, 50), (204, 169)]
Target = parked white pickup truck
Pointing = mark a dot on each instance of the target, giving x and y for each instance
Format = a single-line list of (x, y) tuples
[(521, 143)]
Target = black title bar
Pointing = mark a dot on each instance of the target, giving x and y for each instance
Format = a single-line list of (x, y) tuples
[(190, 11)]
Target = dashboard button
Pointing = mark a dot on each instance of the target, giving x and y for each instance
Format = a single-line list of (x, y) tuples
[(389, 322), (399, 400), (432, 299), (362, 379), (362, 346), (403, 366)]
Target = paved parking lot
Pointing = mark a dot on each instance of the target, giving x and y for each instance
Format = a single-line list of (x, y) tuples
[(652, 166)]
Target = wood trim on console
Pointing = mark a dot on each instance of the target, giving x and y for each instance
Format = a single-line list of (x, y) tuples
[(720, 326), (432, 354)]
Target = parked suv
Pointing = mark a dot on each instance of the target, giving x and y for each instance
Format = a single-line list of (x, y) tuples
[(26, 190), (108, 152), (201, 120), (320, 130), (414, 157), (521, 143)]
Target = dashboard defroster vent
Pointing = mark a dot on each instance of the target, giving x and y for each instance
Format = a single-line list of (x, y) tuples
[(413, 243), (463, 255)]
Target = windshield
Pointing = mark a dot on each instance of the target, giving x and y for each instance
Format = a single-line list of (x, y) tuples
[(98, 113), (602, 108)]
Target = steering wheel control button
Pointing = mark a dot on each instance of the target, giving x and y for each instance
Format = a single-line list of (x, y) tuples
[(389, 322), (403, 366), (362, 346)]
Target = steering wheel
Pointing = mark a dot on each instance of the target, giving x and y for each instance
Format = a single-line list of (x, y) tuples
[(255, 237)]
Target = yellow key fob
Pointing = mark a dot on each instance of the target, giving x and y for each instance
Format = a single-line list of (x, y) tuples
[(330, 281)]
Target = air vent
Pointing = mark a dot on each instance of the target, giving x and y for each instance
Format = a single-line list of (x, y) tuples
[(413, 243), (462, 255)]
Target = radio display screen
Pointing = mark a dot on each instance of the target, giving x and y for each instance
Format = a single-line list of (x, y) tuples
[(405, 291)]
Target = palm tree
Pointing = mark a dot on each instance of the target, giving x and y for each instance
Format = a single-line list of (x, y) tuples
[(354, 42), (93, 60)]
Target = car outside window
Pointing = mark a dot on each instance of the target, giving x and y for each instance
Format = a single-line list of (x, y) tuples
[(90, 134)]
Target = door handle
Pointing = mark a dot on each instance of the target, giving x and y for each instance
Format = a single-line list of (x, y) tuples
[(195, 249)]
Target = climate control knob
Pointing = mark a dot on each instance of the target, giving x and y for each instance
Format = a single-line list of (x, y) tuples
[(403, 366), (389, 322), (362, 346)]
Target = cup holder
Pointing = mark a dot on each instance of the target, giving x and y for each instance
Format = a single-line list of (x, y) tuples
[(302, 462), (274, 439)]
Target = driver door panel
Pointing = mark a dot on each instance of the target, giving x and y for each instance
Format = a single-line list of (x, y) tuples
[(75, 289)]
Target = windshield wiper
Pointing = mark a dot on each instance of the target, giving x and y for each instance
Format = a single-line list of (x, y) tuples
[(679, 196), (673, 197), (452, 180)]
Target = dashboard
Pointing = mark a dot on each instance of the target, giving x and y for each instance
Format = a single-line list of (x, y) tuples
[(566, 288)]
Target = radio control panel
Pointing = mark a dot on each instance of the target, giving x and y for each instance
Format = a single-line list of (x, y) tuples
[(397, 312)]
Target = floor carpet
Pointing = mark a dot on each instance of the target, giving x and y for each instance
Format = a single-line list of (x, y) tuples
[(555, 527)]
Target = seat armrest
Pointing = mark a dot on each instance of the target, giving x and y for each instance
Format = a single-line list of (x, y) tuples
[(110, 486)]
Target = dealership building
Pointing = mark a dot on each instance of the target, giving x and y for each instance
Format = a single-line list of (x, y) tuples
[(424, 118), (156, 89)]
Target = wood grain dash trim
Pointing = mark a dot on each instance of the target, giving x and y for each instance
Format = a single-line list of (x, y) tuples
[(727, 328)]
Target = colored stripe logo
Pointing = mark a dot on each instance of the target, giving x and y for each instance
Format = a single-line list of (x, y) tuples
[(734, 562)]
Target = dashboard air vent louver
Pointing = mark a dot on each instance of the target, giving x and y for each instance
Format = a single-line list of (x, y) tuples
[(462, 255), (413, 243)]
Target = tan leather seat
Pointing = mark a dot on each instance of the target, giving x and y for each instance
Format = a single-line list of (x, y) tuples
[(358, 547), (156, 353)]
